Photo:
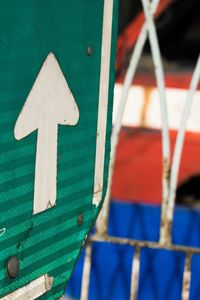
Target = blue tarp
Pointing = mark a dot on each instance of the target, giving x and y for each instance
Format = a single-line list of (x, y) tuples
[(161, 271)]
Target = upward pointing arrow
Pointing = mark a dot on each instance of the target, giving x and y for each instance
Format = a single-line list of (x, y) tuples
[(49, 103)]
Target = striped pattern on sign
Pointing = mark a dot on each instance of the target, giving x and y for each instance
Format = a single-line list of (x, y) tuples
[(49, 242)]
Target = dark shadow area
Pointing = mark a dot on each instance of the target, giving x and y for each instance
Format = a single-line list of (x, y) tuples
[(188, 193), (177, 28)]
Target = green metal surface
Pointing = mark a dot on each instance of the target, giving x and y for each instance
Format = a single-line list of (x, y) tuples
[(49, 242)]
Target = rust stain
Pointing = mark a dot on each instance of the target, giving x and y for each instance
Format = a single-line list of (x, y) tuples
[(144, 244), (166, 169), (147, 99)]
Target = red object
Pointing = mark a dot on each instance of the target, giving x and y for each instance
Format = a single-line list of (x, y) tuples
[(138, 167), (128, 38)]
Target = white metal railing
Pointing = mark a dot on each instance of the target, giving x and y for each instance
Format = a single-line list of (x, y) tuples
[(170, 169)]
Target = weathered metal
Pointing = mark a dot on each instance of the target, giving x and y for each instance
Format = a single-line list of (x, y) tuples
[(187, 277), (169, 170)]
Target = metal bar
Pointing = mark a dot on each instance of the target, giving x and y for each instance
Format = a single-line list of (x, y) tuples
[(130, 34), (135, 274), (86, 272), (180, 140), (103, 217), (187, 277), (144, 244), (129, 79), (165, 234)]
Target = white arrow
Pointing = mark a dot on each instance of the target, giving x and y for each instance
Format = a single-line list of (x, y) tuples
[(49, 103)]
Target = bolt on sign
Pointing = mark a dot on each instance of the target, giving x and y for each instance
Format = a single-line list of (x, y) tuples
[(56, 90)]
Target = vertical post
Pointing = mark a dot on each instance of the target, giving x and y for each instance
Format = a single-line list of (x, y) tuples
[(187, 277), (180, 141), (86, 272), (135, 274), (165, 233), (166, 222)]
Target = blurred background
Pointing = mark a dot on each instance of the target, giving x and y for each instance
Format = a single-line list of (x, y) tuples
[(136, 191)]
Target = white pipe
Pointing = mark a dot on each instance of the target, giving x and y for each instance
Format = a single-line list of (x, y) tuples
[(180, 139)]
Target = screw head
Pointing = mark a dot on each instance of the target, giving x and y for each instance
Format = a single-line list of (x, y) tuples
[(80, 219), (90, 51), (13, 267)]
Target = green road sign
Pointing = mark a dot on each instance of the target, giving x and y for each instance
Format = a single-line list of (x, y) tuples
[(56, 90)]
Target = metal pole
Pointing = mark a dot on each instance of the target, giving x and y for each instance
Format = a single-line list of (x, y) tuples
[(135, 274), (86, 272), (187, 277), (180, 140)]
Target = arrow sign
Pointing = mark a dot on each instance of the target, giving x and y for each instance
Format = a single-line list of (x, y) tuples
[(49, 103)]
